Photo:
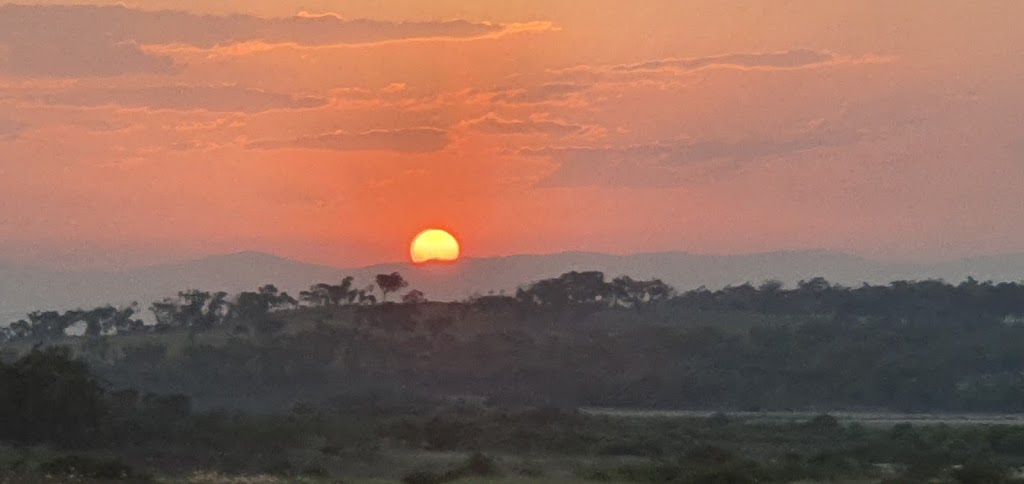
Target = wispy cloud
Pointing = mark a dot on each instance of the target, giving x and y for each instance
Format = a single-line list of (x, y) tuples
[(494, 124), (673, 163), (64, 41), (789, 59), (258, 46), (549, 92), (411, 140), (83, 40), (675, 66), (176, 98), (10, 129)]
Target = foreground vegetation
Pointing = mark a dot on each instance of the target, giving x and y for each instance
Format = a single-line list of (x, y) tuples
[(334, 385), (66, 425), (576, 340)]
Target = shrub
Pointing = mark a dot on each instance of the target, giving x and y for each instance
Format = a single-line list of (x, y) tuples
[(315, 470), (47, 396), (710, 455), (279, 467), (631, 448), (478, 464), (980, 472), (718, 476), (654, 472), (446, 434), (718, 419), (823, 422), (424, 477), (91, 468)]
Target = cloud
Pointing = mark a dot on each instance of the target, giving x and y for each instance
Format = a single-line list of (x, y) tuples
[(672, 163), (10, 129), (673, 66), (83, 40), (771, 60), (411, 140), (66, 41), (450, 31), (178, 98), (493, 124), (539, 94)]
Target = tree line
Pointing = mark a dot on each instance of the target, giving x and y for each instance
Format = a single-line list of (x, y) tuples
[(618, 342), (198, 310), (900, 300)]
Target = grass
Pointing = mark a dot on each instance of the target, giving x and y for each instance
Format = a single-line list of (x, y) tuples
[(220, 479)]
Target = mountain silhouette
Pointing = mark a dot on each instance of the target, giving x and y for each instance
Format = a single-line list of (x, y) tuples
[(24, 289)]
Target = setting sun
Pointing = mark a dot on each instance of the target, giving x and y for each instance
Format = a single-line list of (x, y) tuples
[(434, 244)]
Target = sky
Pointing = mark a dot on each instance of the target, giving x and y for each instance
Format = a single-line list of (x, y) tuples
[(136, 132)]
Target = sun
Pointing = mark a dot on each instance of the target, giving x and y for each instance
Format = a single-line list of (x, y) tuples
[(434, 245)]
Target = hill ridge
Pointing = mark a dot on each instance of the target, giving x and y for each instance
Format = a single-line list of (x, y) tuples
[(24, 289)]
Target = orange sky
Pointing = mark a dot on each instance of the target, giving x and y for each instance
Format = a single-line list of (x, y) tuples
[(334, 131)]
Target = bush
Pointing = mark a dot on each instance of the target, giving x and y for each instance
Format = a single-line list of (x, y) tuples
[(823, 422), (710, 455), (718, 419), (424, 477), (91, 468), (718, 476), (315, 470), (279, 467), (980, 472), (631, 448), (650, 472), (530, 470), (447, 434), (47, 396), (478, 464)]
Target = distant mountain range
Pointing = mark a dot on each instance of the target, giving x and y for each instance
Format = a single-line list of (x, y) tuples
[(24, 289)]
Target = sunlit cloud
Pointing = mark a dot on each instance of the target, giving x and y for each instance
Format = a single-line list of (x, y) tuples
[(9, 129), (112, 40), (673, 163), (494, 124), (175, 97), (771, 60), (412, 140), (459, 33), (543, 93), (757, 61)]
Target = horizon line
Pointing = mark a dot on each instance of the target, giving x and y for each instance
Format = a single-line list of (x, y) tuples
[(252, 252)]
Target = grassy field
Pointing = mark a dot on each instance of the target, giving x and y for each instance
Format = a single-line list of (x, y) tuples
[(880, 419), (218, 479)]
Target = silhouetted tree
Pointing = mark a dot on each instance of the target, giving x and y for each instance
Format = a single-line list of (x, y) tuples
[(21, 329), (48, 324), (108, 319), (365, 296), (125, 320), (414, 296), (569, 288), (389, 283), (328, 294), (253, 306), (46, 396), (198, 310)]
